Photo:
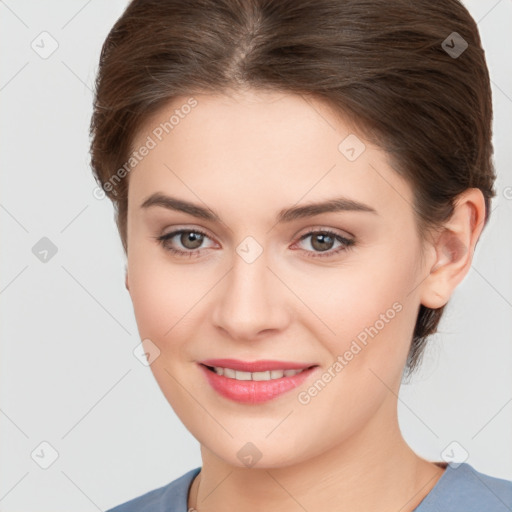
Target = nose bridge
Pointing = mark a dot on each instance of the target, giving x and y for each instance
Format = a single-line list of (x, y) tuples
[(250, 300)]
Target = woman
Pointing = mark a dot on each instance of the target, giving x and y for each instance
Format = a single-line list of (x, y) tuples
[(299, 188)]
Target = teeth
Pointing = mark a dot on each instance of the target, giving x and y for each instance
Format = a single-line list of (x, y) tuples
[(268, 375)]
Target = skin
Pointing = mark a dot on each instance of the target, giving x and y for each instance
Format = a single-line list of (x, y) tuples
[(246, 156)]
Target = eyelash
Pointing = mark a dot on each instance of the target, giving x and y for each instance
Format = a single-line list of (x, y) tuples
[(346, 243)]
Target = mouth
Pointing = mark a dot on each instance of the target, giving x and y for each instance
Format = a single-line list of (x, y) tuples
[(233, 380)]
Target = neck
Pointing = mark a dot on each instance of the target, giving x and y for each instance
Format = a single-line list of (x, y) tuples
[(374, 469)]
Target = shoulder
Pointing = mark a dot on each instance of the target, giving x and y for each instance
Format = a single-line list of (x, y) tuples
[(463, 489), (169, 498)]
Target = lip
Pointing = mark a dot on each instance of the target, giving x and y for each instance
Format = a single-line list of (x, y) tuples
[(254, 391), (256, 366)]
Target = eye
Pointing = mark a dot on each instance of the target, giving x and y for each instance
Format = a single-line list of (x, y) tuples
[(191, 239), (322, 241)]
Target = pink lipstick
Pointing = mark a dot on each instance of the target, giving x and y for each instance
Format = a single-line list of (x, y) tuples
[(254, 382)]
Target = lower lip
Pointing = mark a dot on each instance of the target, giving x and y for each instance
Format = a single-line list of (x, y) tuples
[(254, 391)]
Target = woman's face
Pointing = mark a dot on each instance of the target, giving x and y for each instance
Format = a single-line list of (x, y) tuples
[(263, 285)]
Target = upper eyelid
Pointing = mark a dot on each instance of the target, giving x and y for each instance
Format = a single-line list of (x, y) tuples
[(314, 228), (176, 231)]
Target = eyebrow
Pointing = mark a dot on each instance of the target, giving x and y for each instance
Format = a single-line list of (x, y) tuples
[(286, 215)]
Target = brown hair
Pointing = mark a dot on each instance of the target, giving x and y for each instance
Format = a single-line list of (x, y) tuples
[(412, 75)]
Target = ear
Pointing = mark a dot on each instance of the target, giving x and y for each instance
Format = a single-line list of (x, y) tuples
[(453, 247), (126, 279)]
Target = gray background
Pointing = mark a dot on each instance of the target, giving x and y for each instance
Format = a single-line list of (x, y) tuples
[(68, 374)]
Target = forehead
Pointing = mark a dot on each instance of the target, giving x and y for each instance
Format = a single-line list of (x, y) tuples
[(245, 147)]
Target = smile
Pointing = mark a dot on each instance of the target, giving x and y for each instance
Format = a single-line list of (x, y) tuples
[(254, 387), (240, 375)]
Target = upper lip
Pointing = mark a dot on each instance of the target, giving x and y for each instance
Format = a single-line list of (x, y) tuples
[(256, 366)]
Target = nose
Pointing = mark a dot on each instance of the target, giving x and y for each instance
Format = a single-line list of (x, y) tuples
[(251, 300)]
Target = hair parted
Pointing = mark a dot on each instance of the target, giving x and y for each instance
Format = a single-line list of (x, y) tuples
[(382, 63)]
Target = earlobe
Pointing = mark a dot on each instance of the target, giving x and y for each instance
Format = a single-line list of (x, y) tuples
[(451, 265), (454, 248)]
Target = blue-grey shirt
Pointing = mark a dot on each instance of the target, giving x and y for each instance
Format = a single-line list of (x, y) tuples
[(460, 489)]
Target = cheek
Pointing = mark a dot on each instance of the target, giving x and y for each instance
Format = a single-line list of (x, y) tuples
[(365, 312), (158, 294)]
